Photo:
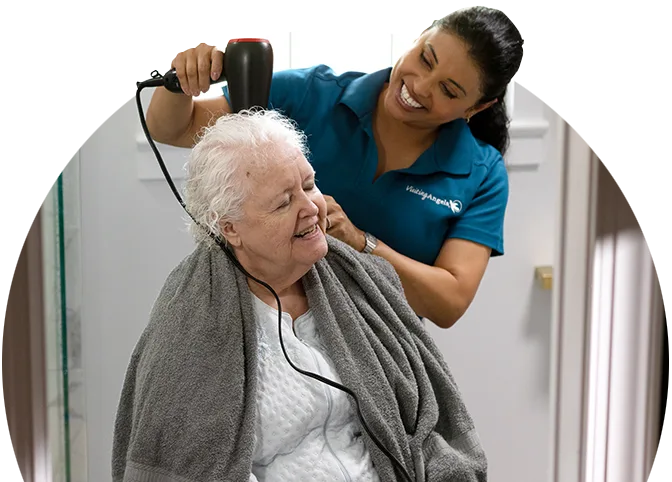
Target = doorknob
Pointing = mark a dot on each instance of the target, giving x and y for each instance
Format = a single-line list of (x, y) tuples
[(544, 275)]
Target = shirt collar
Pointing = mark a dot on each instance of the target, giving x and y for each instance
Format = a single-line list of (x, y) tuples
[(361, 94), (455, 148)]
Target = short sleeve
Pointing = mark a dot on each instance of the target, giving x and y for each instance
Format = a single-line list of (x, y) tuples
[(288, 90), (483, 220)]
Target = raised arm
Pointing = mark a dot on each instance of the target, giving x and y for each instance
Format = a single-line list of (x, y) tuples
[(176, 119)]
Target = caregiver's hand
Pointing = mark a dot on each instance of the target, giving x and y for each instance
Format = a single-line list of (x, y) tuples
[(195, 67), (339, 226)]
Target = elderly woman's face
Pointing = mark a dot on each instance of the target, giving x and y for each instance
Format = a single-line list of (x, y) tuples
[(284, 221)]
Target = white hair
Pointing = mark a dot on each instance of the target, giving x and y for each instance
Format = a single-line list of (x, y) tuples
[(216, 187)]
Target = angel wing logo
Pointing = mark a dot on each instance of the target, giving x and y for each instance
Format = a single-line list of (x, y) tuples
[(455, 206)]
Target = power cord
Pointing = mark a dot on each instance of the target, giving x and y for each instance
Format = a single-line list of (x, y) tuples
[(157, 80)]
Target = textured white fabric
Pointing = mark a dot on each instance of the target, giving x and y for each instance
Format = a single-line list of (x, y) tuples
[(305, 429)]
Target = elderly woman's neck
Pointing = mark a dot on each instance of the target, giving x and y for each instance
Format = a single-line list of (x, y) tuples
[(292, 297)]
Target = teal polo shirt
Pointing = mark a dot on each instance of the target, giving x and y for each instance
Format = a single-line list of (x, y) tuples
[(458, 188)]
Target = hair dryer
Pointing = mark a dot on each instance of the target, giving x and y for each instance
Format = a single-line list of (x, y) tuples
[(248, 68)]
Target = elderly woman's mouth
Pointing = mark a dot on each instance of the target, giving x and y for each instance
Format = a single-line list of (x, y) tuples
[(308, 232)]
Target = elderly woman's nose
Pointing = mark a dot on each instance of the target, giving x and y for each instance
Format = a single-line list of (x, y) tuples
[(313, 209), (310, 207)]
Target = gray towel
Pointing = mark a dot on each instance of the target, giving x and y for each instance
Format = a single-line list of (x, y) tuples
[(187, 407)]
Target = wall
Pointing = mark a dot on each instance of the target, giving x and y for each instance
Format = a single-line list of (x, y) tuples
[(133, 233)]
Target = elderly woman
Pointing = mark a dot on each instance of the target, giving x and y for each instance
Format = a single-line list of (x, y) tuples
[(210, 395)]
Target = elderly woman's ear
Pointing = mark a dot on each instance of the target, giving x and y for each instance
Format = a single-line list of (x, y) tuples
[(229, 233)]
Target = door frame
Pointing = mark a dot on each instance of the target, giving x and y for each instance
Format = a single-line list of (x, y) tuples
[(24, 364), (608, 324)]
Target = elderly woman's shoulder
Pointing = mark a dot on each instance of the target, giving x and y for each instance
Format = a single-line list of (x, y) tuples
[(382, 266), (379, 269), (189, 309), (186, 287)]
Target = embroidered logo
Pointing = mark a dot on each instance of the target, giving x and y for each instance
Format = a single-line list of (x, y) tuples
[(454, 205)]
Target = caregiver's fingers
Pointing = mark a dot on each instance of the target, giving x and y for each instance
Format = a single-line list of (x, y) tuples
[(195, 67)]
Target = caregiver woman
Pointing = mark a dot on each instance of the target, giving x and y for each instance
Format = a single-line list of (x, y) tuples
[(409, 157)]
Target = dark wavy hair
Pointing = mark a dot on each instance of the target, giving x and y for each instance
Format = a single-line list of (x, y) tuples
[(496, 47)]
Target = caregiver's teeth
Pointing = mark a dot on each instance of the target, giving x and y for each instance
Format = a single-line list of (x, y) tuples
[(406, 97), (306, 231)]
